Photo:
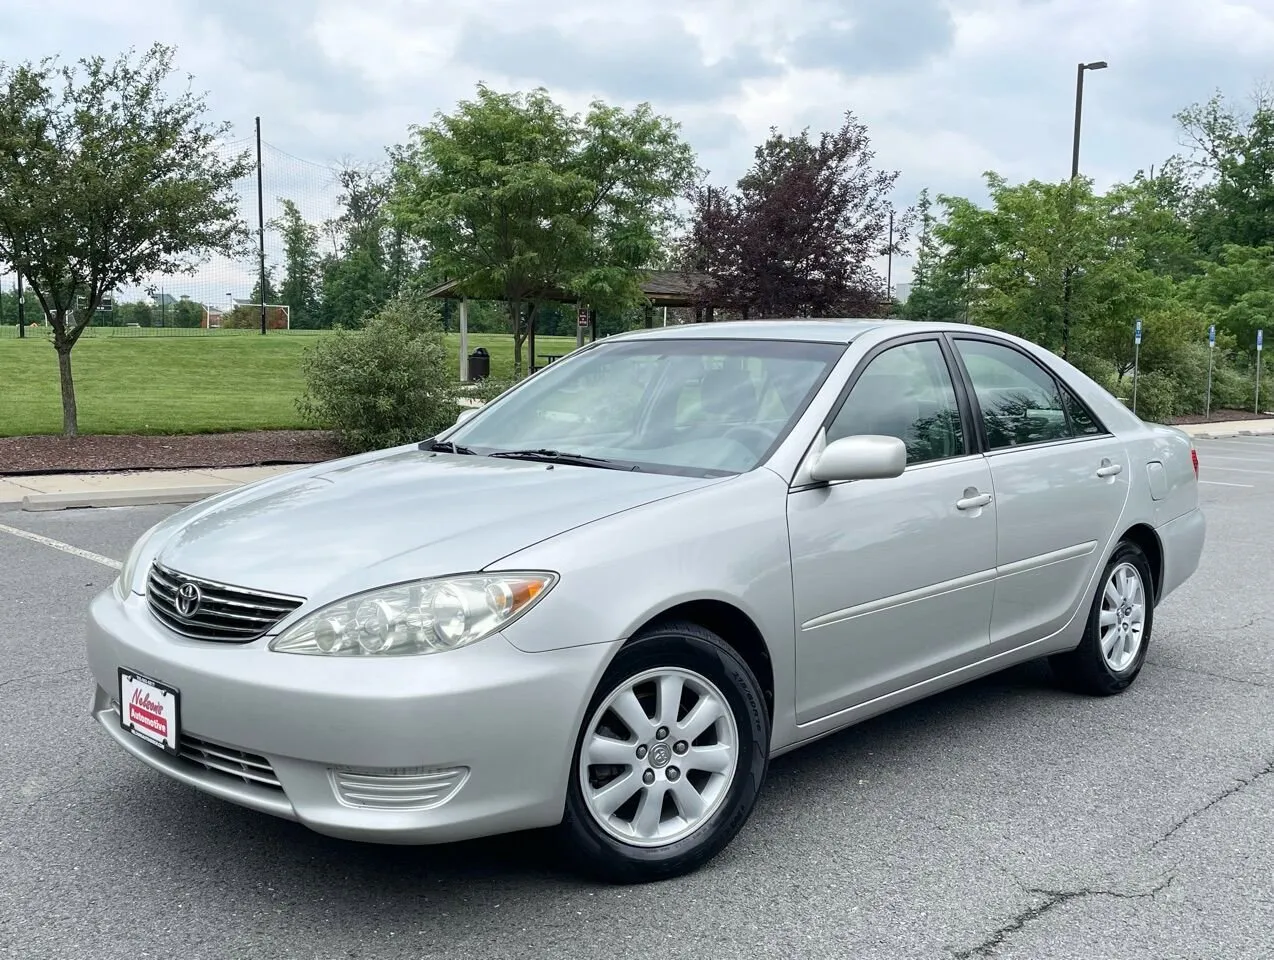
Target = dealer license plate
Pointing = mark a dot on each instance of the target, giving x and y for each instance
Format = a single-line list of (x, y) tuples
[(149, 709)]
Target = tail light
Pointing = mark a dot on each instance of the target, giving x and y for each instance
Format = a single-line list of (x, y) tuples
[(1194, 459)]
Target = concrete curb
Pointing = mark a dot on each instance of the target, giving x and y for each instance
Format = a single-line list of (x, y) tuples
[(121, 498), (1223, 434)]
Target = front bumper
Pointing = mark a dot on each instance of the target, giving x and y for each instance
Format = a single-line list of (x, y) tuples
[(432, 749)]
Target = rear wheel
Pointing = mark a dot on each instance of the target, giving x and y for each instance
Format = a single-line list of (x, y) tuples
[(1117, 636), (670, 757)]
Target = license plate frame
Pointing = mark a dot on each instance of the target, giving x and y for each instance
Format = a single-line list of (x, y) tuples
[(150, 710)]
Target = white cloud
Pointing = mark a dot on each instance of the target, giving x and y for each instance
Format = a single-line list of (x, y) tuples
[(948, 88)]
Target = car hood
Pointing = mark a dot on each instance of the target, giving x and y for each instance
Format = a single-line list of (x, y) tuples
[(406, 514)]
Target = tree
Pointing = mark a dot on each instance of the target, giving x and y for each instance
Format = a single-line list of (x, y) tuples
[(299, 289), (105, 180), (800, 235), (937, 292), (1235, 153), (1015, 254), (1237, 292), (520, 200), (359, 276)]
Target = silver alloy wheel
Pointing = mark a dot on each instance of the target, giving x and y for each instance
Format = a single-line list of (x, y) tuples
[(1123, 617), (659, 757)]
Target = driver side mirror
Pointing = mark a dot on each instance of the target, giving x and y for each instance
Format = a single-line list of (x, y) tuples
[(863, 457), (466, 414)]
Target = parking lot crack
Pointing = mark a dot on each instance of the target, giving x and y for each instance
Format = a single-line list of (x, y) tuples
[(1208, 673), (1242, 783), (1047, 901), (39, 676)]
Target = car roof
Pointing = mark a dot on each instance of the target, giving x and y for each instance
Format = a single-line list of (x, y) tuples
[(805, 329)]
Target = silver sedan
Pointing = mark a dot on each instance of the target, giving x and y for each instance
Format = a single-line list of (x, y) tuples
[(606, 600)]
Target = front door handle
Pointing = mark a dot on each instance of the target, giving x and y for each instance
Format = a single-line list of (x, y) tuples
[(1108, 469), (973, 502)]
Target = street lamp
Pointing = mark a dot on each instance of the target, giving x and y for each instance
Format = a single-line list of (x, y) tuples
[(1079, 107), (1079, 110)]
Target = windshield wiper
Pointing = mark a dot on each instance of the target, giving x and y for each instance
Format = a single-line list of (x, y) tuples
[(558, 456), (446, 446)]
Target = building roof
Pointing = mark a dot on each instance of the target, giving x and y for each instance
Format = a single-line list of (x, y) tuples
[(662, 288)]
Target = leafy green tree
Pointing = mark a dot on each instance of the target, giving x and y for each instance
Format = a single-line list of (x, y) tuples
[(518, 199), (1234, 150), (1151, 215), (937, 289), (106, 179), (299, 289), (1237, 292), (370, 260), (1016, 252)]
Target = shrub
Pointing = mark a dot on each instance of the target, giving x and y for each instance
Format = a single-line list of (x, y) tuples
[(1157, 395), (387, 384)]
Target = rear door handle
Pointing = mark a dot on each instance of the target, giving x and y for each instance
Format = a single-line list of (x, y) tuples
[(1108, 469), (972, 503)]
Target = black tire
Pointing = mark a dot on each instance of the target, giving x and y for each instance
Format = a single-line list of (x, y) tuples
[(687, 646), (1085, 669)]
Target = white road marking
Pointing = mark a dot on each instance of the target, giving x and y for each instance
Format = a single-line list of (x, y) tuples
[(1263, 473), (64, 547), (1218, 483), (1269, 460)]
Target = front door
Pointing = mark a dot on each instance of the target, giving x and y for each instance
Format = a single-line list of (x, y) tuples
[(1060, 482), (893, 579)]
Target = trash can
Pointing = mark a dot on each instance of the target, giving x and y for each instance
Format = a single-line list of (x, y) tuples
[(479, 364)]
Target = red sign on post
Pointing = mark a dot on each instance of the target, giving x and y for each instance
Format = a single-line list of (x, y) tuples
[(583, 317)]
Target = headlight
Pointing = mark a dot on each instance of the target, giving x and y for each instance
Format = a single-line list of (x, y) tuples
[(128, 572), (426, 616)]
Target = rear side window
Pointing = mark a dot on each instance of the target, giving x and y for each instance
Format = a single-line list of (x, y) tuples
[(1022, 403)]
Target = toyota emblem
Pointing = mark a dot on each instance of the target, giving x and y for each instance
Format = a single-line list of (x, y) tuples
[(188, 600)]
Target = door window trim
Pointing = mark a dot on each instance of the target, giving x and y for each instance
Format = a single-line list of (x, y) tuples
[(967, 419), (975, 406)]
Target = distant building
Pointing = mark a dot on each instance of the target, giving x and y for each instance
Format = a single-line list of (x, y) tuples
[(902, 291)]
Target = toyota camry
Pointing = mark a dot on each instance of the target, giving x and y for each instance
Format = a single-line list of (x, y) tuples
[(604, 601)]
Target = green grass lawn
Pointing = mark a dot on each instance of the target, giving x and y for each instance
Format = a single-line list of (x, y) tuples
[(180, 384)]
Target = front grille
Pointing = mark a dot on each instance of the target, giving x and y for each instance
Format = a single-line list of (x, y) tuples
[(230, 761), (413, 788), (225, 613)]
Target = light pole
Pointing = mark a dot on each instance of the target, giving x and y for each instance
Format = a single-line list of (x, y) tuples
[(1079, 112)]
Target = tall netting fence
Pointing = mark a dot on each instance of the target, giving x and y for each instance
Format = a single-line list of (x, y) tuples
[(325, 260)]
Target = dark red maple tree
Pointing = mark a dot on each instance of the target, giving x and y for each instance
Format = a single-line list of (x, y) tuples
[(799, 235)]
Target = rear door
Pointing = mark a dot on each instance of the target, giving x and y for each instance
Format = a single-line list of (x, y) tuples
[(1060, 480)]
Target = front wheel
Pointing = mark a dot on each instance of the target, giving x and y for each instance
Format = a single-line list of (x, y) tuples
[(1117, 636), (669, 760)]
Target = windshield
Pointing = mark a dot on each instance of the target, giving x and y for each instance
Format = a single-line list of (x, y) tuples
[(703, 407)]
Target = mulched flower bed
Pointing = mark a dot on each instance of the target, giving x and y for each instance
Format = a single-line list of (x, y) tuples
[(95, 454), (99, 454)]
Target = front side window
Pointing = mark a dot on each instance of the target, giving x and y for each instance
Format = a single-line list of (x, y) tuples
[(1021, 402), (905, 392), (698, 406)]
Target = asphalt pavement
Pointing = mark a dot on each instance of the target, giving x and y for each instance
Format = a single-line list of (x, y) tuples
[(1006, 819)]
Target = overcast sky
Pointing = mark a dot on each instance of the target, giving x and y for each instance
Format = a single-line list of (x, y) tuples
[(948, 88)]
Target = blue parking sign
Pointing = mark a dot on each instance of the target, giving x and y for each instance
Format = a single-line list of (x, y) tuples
[(1259, 338), (1136, 337), (1212, 335)]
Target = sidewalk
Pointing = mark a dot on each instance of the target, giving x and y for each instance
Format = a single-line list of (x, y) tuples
[(1229, 428), (136, 488), (124, 489)]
